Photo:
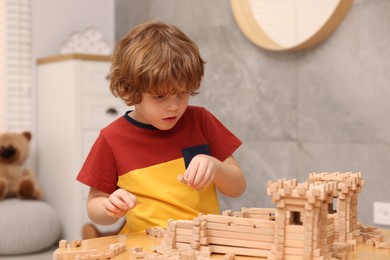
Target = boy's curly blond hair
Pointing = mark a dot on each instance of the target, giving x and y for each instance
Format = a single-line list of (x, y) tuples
[(155, 58)]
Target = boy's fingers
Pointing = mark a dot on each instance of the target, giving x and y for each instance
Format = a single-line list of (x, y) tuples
[(118, 202), (128, 200), (191, 173), (109, 206)]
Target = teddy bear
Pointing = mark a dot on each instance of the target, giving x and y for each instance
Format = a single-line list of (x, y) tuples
[(15, 179)]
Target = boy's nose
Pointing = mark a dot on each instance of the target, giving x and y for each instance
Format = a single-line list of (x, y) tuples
[(173, 103)]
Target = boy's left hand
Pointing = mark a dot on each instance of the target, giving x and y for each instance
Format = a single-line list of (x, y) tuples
[(201, 171)]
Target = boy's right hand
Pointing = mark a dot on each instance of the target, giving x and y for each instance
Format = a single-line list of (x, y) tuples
[(119, 202)]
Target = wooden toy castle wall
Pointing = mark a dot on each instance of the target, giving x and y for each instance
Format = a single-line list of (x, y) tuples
[(302, 226)]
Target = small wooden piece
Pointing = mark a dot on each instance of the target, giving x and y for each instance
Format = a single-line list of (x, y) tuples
[(181, 178)]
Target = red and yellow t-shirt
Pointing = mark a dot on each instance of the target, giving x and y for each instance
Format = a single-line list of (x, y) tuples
[(146, 162)]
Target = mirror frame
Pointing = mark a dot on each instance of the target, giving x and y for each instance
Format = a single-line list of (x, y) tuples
[(253, 31)]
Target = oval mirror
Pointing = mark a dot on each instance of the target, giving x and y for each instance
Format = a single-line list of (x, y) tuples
[(288, 25)]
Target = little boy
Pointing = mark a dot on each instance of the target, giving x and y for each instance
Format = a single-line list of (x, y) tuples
[(133, 166)]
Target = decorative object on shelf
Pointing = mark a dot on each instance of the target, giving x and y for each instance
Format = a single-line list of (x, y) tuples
[(90, 41), (288, 25)]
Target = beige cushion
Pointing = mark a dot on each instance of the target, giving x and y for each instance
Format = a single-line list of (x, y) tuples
[(27, 226)]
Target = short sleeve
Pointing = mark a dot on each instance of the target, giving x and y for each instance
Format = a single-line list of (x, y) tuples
[(99, 169), (222, 141)]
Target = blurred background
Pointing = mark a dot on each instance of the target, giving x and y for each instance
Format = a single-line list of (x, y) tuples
[(322, 109)]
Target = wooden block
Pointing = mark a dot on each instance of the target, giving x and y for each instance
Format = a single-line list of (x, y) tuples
[(280, 204), (181, 178), (239, 251), (238, 243), (136, 249), (196, 237), (184, 224), (295, 201), (237, 228), (72, 254), (229, 256), (263, 211), (240, 235), (171, 225), (155, 231), (185, 246), (196, 221), (196, 230), (75, 243), (161, 249), (136, 255), (185, 239), (62, 243), (195, 244), (184, 231), (294, 243), (204, 241), (239, 221), (293, 251)]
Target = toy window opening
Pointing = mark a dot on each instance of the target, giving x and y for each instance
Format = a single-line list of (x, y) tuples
[(295, 218), (332, 207)]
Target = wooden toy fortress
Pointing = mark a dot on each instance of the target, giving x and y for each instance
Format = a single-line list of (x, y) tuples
[(313, 220), (316, 219)]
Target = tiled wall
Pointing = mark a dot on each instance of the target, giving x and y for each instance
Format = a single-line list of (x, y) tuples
[(323, 109)]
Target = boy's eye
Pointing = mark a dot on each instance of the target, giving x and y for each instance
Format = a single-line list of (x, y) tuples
[(158, 97)]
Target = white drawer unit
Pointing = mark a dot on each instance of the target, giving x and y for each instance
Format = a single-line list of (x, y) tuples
[(73, 103)]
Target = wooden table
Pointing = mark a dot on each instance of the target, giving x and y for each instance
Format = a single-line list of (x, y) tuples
[(101, 244)]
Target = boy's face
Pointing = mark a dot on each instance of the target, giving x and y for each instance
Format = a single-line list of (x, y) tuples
[(162, 112)]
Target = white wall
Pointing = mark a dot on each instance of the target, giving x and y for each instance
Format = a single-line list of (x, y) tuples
[(54, 20), (52, 23)]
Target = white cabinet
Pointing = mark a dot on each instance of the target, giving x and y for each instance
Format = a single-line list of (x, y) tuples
[(73, 103)]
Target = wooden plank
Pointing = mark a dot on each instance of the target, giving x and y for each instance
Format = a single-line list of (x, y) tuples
[(295, 257), (239, 251), (184, 231), (238, 242), (263, 211), (260, 216), (296, 201), (71, 254), (185, 246), (189, 224), (295, 243), (239, 221), (294, 251), (244, 229), (295, 229), (294, 236), (184, 239), (240, 235)]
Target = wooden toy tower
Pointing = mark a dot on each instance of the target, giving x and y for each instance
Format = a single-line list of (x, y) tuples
[(303, 227), (345, 202)]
